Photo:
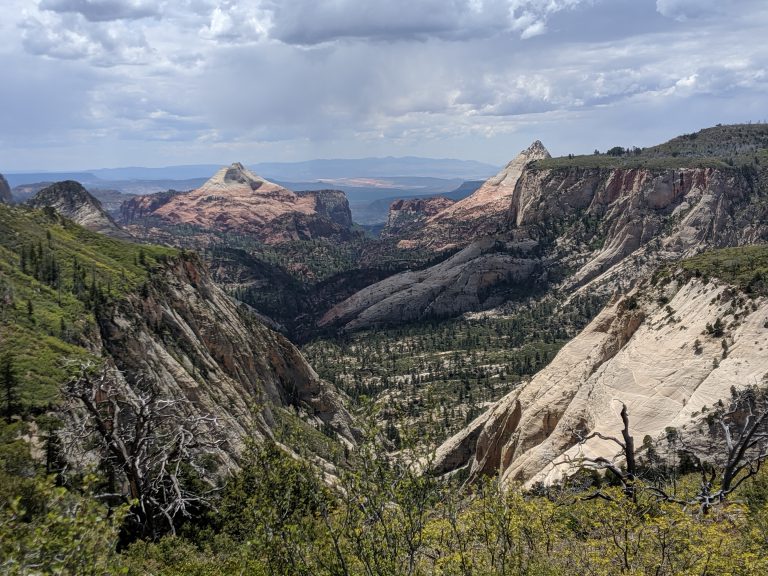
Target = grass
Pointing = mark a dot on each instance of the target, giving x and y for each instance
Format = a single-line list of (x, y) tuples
[(723, 147), (49, 326), (746, 267), (116, 263)]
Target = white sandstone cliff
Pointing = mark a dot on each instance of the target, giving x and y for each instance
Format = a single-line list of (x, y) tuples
[(657, 358)]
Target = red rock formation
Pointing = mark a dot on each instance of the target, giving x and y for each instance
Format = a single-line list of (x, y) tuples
[(236, 200)]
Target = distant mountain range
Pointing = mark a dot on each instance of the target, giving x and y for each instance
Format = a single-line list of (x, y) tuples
[(310, 170), (371, 184), (377, 168)]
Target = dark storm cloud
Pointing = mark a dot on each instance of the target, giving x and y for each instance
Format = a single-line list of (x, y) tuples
[(134, 81), (316, 21), (103, 10), (309, 22)]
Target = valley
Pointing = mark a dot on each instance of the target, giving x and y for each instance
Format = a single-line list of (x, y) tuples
[(429, 380), (490, 386)]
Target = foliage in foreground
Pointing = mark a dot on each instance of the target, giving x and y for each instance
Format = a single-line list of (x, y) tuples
[(281, 516), (46, 528), (278, 517)]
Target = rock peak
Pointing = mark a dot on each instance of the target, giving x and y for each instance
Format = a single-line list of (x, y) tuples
[(238, 175), (65, 193), (72, 200), (235, 199), (536, 151)]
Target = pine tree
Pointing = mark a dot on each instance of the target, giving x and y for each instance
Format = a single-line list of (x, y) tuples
[(9, 385)]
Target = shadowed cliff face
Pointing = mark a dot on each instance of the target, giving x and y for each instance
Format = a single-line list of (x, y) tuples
[(71, 200), (482, 275), (182, 334), (5, 191), (407, 217), (593, 229), (458, 224), (236, 200), (635, 352)]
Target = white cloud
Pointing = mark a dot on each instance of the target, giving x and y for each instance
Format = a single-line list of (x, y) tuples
[(70, 37), (529, 17), (285, 78), (233, 22)]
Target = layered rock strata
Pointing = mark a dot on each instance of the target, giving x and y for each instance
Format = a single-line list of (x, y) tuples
[(659, 359)]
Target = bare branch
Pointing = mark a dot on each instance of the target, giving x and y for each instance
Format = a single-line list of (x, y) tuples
[(149, 441)]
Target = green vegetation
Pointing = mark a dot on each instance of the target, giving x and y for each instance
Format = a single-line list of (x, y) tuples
[(293, 282), (304, 438), (369, 510), (382, 518), (431, 379), (609, 162), (54, 275), (46, 528), (321, 259), (308, 261), (723, 140), (723, 147), (746, 267)]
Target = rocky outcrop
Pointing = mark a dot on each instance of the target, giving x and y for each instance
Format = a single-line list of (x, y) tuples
[(482, 213), (479, 276), (72, 201), (407, 217), (185, 336), (5, 191), (598, 229), (651, 351), (610, 225), (332, 205), (236, 200), (141, 207)]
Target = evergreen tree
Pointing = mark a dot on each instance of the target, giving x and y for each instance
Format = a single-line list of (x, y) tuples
[(9, 384)]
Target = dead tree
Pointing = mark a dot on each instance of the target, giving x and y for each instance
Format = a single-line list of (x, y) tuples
[(625, 475), (733, 449), (153, 444)]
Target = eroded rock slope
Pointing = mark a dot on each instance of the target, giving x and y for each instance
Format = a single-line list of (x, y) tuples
[(601, 228), (72, 200), (481, 214), (184, 335), (611, 224), (481, 275), (407, 217), (653, 350)]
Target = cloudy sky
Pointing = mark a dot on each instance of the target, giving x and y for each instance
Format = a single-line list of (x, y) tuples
[(103, 83)]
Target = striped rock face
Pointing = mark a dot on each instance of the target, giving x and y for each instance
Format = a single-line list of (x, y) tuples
[(635, 353), (237, 200)]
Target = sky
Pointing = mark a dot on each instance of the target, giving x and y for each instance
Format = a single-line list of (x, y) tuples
[(107, 83)]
